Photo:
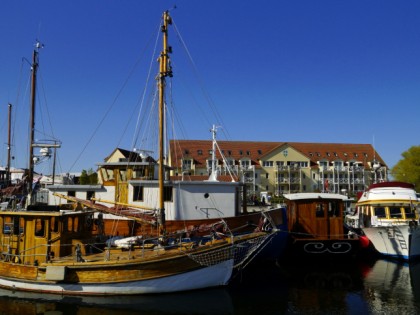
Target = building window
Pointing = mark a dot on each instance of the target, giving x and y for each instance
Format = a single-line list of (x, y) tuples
[(266, 175), (245, 163), (248, 152), (199, 152), (186, 164), (268, 163), (259, 152), (138, 193), (186, 152), (229, 152), (240, 152)]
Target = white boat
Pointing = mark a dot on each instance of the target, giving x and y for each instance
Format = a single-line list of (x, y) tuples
[(387, 213)]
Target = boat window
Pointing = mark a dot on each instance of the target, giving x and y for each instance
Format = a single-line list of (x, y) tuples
[(123, 175), (7, 225), (65, 224), (395, 212), (380, 212), (410, 213), (107, 174), (320, 213), (167, 193), (138, 193), (54, 224), (90, 195), (18, 225), (39, 227), (333, 209), (76, 224)]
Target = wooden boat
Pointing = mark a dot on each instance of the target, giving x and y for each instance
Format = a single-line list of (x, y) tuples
[(127, 200), (387, 213), (127, 194), (55, 250), (316, 225)]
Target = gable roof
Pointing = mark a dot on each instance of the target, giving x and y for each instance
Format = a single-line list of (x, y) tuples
[(131, 156)]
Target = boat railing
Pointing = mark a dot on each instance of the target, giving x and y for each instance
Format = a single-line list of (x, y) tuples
[(81, 252)]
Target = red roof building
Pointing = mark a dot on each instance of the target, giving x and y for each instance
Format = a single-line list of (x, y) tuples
[(282, 167)]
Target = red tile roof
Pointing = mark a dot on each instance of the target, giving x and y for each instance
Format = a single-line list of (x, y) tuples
[(256, 150)]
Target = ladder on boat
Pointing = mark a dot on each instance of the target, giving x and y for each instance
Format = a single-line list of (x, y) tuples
[(395, 233)]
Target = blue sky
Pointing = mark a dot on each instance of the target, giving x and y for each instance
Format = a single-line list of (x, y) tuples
[(304, 70)]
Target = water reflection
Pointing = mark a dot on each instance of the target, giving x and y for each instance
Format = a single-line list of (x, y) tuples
[(354, 287), (393, 287), (196, 302)]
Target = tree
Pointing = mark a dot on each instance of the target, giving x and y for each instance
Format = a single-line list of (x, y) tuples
[(408, 169), (88, 177)]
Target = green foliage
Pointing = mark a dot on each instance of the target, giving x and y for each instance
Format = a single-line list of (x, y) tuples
[(88, 177), (408, 168)]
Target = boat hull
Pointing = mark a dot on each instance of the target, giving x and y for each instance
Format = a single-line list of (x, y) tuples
[(205, 277), (398, 241)]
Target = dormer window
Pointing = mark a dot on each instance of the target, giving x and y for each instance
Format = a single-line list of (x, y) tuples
[(248, 152), (186, 152), (328, 153), (229, 152), (240, 152), (199, 152), (259, 152)]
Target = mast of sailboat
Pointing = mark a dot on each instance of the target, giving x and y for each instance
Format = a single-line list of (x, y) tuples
[(9, 145), (34, 69), (213, 174), (164, 71)]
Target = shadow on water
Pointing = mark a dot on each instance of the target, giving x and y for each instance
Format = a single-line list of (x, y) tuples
[(297, 288)]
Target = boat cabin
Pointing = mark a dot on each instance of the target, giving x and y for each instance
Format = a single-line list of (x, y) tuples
[(387, 203), (36, 236), (315, 215)]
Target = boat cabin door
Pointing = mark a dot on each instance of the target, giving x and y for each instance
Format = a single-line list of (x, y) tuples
[(329, 217), (121, 188)]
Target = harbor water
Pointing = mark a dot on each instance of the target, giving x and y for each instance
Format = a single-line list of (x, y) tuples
[(329, 287)]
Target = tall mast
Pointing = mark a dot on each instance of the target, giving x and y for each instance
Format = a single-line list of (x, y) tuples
[(9, 145), (38, 45), (213, 174), (165, 70)]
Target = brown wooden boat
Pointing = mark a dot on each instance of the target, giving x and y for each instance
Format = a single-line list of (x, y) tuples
[(316, 225), (56, 250)]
